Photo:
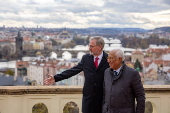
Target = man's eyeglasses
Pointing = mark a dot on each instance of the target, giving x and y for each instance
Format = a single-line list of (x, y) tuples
[(90, 46), (110, 58)]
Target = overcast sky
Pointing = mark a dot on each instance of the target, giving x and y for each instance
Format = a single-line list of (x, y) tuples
[(147, 14)]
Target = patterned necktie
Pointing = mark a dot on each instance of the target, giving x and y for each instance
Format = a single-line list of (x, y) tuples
[(96, 62)]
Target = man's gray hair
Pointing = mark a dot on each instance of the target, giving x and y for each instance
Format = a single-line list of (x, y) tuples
[(99, 40), (119, 53)]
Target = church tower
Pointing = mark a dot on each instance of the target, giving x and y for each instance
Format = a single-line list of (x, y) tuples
[(18, 42)]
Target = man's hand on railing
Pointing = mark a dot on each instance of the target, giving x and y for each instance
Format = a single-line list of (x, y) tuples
[(50, 80)]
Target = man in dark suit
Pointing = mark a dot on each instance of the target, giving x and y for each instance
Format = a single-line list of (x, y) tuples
[(122, 85), (93, 65)]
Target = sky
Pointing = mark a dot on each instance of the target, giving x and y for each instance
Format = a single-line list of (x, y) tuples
[(146, 14)]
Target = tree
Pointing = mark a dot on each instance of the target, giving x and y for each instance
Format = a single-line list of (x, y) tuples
[(138, 66), (33, 34), (143, 43), (70, 44), (87, 40), (7, 51), (53, 42), (10, 72), (79, 40)]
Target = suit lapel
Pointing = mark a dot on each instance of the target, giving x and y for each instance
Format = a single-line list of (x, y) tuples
[(104, 59), (91, 61)]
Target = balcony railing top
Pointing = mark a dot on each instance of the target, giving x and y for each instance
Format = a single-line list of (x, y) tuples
[(20, 90)]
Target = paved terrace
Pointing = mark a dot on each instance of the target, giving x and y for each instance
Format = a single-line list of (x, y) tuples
[(22, 99)]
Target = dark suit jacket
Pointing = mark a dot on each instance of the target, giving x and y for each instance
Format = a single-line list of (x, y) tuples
[(93, 85), (120, 93)]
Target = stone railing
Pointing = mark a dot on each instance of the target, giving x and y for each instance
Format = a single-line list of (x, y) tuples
[(56, 99)]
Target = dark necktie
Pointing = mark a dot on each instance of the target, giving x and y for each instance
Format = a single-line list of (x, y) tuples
[(115, 73), (96, 62)]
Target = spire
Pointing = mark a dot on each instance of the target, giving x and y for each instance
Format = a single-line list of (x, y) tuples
[(19, 34)]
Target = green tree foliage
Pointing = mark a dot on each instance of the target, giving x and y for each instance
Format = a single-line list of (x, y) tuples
[(39, 108), (10, 72), (138, 66)]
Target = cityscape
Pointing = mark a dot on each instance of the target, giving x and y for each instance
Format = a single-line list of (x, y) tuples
[(28, 55), (41, 37)]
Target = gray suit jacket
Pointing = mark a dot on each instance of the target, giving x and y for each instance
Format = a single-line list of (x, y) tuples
[(120, 93)]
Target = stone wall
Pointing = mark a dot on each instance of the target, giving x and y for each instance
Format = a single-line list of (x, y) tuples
[(56, 99)]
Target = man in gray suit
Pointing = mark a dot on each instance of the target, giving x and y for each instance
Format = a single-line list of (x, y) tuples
[(93, 65), (122, 85)]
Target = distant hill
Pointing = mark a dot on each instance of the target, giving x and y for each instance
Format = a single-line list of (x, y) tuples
[(121, 29), (134, 30), (165, 29)]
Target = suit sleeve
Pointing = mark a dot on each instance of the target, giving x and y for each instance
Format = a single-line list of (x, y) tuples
[(70, 72), (139, 92)]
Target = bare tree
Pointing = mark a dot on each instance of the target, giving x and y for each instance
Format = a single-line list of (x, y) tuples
[(7, 51)]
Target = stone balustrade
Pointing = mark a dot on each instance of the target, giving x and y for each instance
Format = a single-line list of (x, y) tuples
[(26, 99)]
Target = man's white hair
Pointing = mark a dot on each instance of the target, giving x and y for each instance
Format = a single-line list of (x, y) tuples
[(119, 53)]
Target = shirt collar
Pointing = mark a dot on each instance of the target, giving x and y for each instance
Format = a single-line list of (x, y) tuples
[(118, 70), (100, 56)]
